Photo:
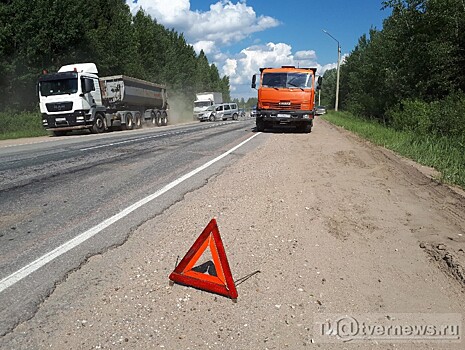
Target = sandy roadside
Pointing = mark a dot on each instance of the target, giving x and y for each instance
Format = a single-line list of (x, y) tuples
[(333, 225)]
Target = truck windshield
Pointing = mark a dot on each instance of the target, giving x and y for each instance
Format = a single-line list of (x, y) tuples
[(59, 87), (202, 103), (287, 80)]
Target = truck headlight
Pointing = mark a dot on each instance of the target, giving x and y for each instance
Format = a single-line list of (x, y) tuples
[(306, 116)]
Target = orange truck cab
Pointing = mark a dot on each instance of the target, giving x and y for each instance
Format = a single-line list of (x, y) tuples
[(286, 96)]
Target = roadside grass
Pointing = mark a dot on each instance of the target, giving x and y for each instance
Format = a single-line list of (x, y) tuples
[(15, 125), (446, 155)]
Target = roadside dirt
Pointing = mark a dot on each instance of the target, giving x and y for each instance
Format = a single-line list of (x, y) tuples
[(333, 224)]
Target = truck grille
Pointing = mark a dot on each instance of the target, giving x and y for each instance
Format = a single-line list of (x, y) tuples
[(59, 106), (277, 106)]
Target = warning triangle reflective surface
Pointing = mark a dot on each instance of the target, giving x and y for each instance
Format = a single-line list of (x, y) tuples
[(213, 276)]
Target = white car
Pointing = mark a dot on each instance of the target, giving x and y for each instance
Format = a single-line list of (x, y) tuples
[(208, 114), (222, 111), (320, 110)]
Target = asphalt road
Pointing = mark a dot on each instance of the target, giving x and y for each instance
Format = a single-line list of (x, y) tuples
[(333, 243), (55, 189)]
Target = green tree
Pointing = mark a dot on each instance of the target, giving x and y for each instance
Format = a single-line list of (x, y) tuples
[(46, 34), (328, 89), (225, 88), (251, 102), (414, 63), (112, 38)]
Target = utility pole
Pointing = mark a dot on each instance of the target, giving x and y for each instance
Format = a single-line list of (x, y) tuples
[(338, 68)]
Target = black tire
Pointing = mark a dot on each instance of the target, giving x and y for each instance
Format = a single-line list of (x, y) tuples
[(211, 118), (153, 118), (158, 120), (307, 129), (99, 124), (59, 133), (129, 122), (235, 116), (164, 118), (137, 121), (260, 125)]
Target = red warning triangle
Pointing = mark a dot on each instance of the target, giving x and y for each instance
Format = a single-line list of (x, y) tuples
[(221, 281)]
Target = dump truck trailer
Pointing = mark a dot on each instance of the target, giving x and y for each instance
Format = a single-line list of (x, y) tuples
[(76, 98)]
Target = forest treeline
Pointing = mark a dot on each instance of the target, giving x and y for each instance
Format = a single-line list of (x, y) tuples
[(410, 75), (46, 34)]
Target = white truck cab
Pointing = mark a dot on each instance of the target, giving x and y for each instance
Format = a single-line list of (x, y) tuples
[(76, 98), (70, 98)]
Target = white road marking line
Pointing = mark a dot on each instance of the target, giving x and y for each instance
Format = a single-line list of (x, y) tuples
[(45, 259), (27, 143), (139, 139), (63, 138), (120, 142)]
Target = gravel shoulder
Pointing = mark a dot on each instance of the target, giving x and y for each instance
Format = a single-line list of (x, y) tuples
[(334, 224)]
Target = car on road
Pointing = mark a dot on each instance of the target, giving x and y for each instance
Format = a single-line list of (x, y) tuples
[(253, 112), (221, 111), (320, 110)]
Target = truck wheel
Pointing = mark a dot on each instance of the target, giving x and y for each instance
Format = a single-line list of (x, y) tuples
[(164, 118), (260, 125), (158, 120), (153, 118), (306, 128), (129, 123), (99, 124), (235, 116), (137, 120)]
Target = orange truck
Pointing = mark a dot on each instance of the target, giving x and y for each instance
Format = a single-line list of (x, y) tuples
[(286, 96)]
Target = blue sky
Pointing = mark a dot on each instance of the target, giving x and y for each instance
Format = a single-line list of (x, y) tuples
[(241, 36)]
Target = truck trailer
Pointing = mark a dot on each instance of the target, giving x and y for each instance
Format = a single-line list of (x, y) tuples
[(203, 100), (76, 98), (286, 96)]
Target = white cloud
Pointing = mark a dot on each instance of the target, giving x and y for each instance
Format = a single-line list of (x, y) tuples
[(168, 13), (230, 67), (241, 68), (223, 24), (207, 46), (227, 23), (305, 55)]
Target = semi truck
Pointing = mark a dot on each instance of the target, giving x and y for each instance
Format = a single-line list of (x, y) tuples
[(286, 96), (76, 98), (203, 100)]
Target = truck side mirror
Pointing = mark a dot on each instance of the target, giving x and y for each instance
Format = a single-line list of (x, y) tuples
[(254, 81), (320, 82), (87, 85)]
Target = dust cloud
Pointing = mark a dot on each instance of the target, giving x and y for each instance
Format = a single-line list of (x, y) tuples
[(181, 111)]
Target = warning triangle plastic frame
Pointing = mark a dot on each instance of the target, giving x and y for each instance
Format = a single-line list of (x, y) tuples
[(223, 283)]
